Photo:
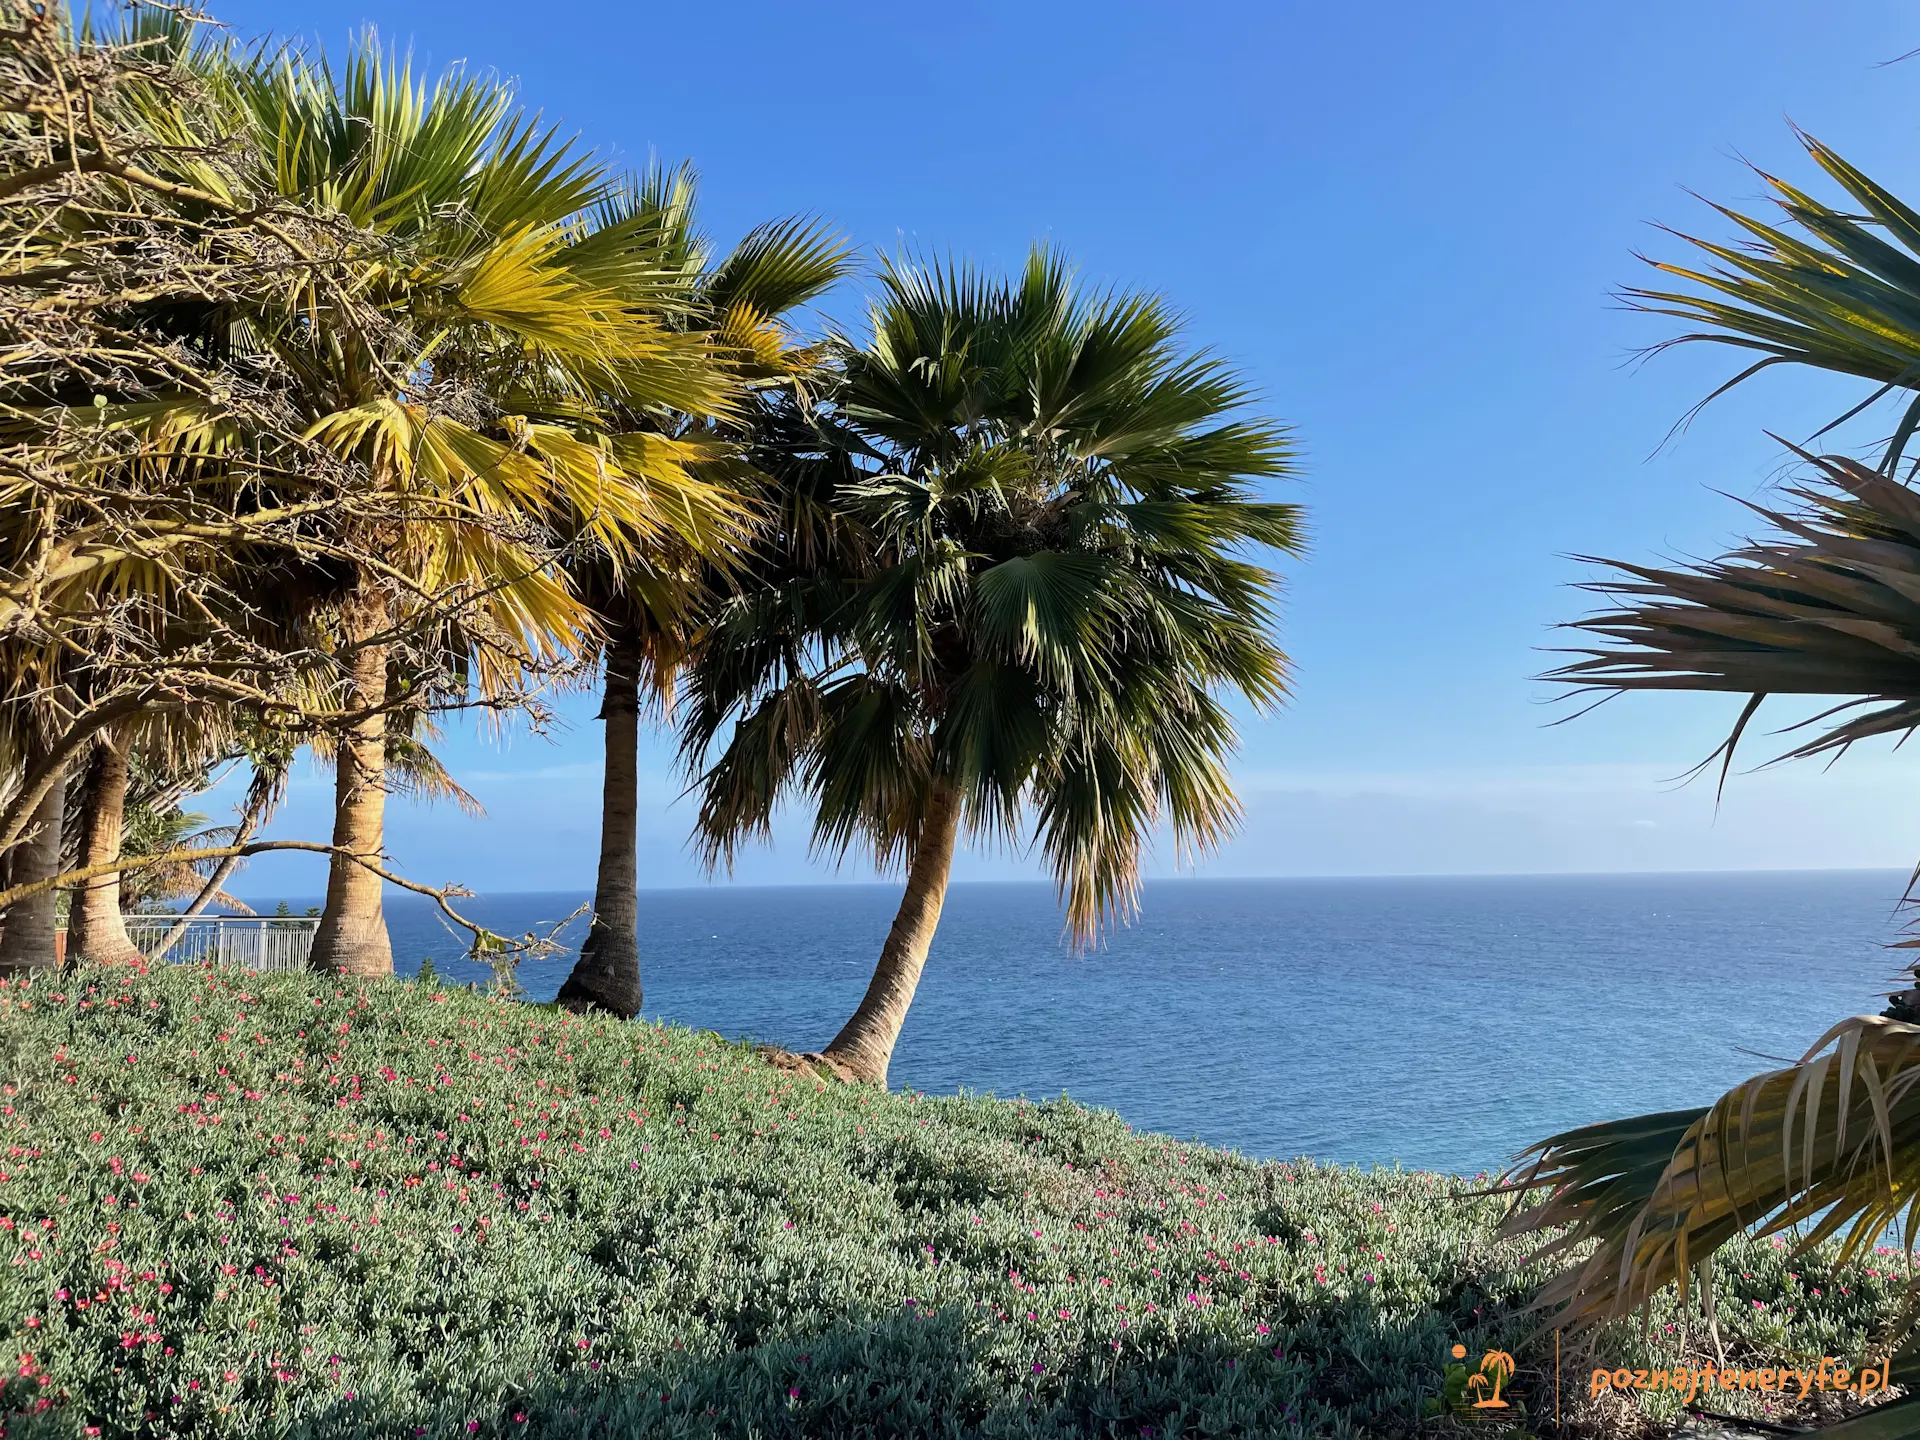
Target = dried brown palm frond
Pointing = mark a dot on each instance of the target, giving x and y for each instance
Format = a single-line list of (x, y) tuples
[(1828, 1147), (1832, 1143)]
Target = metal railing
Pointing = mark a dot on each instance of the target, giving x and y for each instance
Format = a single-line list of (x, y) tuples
[(251, 942)]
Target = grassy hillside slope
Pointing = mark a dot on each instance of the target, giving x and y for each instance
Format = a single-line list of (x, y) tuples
[(236, 1204)]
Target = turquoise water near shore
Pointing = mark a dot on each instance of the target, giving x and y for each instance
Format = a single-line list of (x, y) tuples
[(1440, 1023)]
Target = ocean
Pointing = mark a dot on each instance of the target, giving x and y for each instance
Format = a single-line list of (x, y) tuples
[(1434, 1023)]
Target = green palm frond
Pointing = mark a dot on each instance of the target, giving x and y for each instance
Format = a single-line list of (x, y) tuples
[(691, 459), (1826, 602), (526, 273), (1836, 289), (777, 267)]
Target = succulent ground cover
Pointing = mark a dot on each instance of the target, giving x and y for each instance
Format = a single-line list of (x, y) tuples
[(236, 1204)]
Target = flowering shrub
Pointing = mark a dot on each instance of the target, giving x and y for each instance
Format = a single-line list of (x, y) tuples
[(238, 1204)]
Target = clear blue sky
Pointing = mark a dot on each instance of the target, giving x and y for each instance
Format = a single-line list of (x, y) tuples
[(1404, 220)]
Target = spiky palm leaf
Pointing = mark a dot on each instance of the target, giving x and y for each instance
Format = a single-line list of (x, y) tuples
[(1836, 289), (1828, 604), (736, 308), (480, 355), (512, 288), (1832, 1142), (649, 605), (476, 353)]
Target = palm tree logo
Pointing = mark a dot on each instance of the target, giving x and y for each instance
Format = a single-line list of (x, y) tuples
[(1496, 1368)]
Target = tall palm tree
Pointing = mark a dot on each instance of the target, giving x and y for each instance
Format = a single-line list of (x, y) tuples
[(501, 295), (442, 330), (648, 605), (1008, 585), (95, 567)]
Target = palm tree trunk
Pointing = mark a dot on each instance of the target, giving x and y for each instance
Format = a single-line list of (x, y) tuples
[(96, 931), (260, 799), (27, 941), (352, 935), (864, 1047), (607, 975)]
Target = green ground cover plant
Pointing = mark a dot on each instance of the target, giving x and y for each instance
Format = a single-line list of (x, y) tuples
[(238, 1204)]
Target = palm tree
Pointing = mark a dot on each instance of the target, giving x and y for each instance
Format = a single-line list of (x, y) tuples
[(96, 566), (497, 291), (648, 606), (1825, 604), (431, 339), (1007, 582)]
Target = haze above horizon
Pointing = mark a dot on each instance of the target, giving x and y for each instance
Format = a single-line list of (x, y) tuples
[(1405, 223)]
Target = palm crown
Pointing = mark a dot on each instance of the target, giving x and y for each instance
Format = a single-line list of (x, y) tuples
[(1045, 595), (524, 333)]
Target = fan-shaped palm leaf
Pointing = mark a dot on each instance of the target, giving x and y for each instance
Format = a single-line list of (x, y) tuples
[(1830, 1146)]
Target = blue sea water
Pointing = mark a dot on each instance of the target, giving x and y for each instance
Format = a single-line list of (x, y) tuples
[(1439, 1023)]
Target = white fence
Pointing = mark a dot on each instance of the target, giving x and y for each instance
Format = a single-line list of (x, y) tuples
[(251, 942)]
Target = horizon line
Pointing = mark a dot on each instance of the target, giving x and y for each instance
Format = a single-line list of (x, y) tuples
[(1362, 877)]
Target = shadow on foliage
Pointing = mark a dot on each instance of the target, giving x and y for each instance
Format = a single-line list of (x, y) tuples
[(1336, 1368)]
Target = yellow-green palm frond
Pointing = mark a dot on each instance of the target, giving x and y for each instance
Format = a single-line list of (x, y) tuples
[(524, 285), (176, 435), (487, 581), (1831, 1144), (696, 492), (182, 143), (640, 241), (400, 155)]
